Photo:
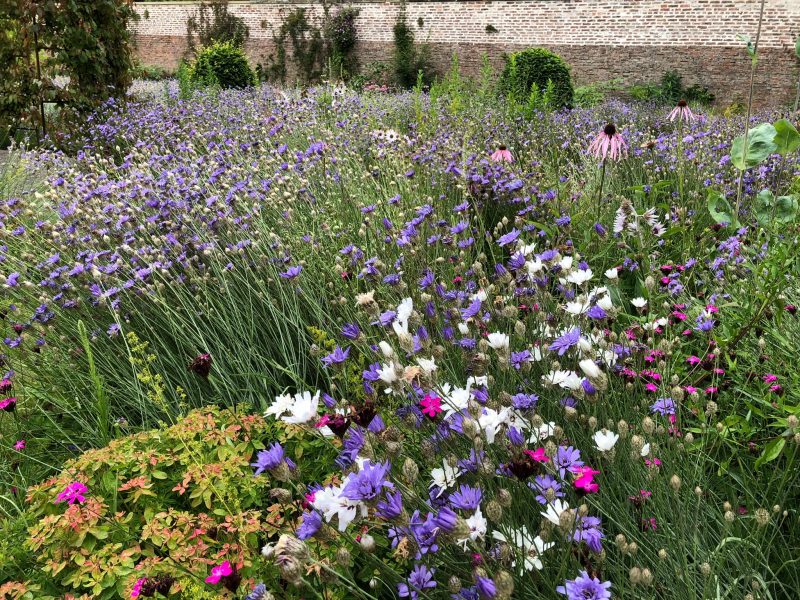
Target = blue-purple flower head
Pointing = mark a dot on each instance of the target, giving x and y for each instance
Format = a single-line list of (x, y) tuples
[(420, 579), (312, 523), (584, 587), (663, 406), (337, 357), (368, 483), (566, 341), (466, 498), (271, 458), (292, 272)]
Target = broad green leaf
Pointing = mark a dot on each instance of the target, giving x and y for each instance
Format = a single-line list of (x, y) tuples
[(762, 207), (719, 208), (797, 47), (771, 452), (786, 209), (787, 139), (760, 144)]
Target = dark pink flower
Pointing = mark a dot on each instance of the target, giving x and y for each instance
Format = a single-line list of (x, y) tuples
[(218, 572)]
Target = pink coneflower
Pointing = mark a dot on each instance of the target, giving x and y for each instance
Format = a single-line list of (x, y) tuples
[(502, 154), (682, 112), (218, 572), (608, 144), (73, 493), (20, 445)]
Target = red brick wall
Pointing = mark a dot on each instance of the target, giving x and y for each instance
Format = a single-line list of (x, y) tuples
[(636, 40)]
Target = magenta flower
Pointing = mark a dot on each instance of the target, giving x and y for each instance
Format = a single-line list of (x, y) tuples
[(20, 445), (219, 572), (8, 404), (608, 143), (431, 406), (136, 590), (73, 493), (502, 154), (682, 112)]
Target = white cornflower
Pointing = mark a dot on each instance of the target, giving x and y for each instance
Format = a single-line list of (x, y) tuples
[(445, 477), (498, 341), (639, 302), (605, 440), (427, 364), (303, 409), (477, 528), (612, 274), (529, 546), (282, 404), (554, 510), (580, 276), (589, 368)]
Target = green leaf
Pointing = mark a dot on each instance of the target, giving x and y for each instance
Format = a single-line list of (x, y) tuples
[(771, 452), (787, 139), (797, 47), (719, 208), (760, 144), (786, 209), (762, 207)]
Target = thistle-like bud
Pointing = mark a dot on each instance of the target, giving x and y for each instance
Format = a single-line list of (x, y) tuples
[(281, 495), (367, 543), (675, 482), (762, 516), (344, 558), (647, 576), (410, 470), (705, 569), (494, 512), (504, 583), (504, 498), (454, 584)]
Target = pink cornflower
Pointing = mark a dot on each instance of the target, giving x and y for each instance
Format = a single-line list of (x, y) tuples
[(219, 572), (538, 455), (73, 493), (770, 378), (5, 385), (8, 404), (136, 590), (431, 406), (652, 463), (20, 445), (693, 360), (585, 480), (682, 112), (502, 154), (608, 143)]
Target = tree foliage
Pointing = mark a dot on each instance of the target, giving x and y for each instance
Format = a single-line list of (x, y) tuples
[(88, 43)]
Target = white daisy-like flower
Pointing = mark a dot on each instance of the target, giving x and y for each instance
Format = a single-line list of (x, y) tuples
[(612, 274), (530, 547), (477, 528), (498, 341), (427, 364), (388, 373), (554, 510), (639, 302), (303, 409), (589, 368), (580, 276), (645, 451), (282, 404), (578, 306), (605, 440), (445, 477)]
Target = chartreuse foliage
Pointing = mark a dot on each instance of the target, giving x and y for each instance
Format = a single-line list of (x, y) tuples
[(164, 503)]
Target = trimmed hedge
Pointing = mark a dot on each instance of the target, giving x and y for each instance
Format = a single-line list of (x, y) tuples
[(537, 66), (222, 64)]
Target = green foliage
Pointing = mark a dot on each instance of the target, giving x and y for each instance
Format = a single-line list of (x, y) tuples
[(670, 90), (309, 50), (537, 66), (769, 209), (787, 138), (760, 144), (222, 64), (409, 59), (587, 96), (88, 42), (213, 23), (171, 501), (720, 209), (340, 32)]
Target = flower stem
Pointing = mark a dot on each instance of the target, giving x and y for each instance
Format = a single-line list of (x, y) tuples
[(600, 193)]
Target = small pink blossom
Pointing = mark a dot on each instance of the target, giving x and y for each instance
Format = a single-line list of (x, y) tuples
[(136, 590), (431, 406), (585, 480), (73, 493), (538, 455), (20, 445), (218, 572)]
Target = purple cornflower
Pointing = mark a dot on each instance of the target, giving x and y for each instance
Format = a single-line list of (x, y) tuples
[(663, 406), (587, 529), (566, 458), (486, 587), (524, 401), (337, 357), (351, 331), (421, 578), (368, 483), (292, 272), (566, 341), (584, 587), (446, 519), (515, 436), (543, 483), (271, 458), (473, 309), (519, 358), (392, 507), (466, 498), (508, 238), (312, 523)]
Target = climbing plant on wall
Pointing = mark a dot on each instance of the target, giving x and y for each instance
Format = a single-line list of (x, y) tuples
[(88, 43)]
